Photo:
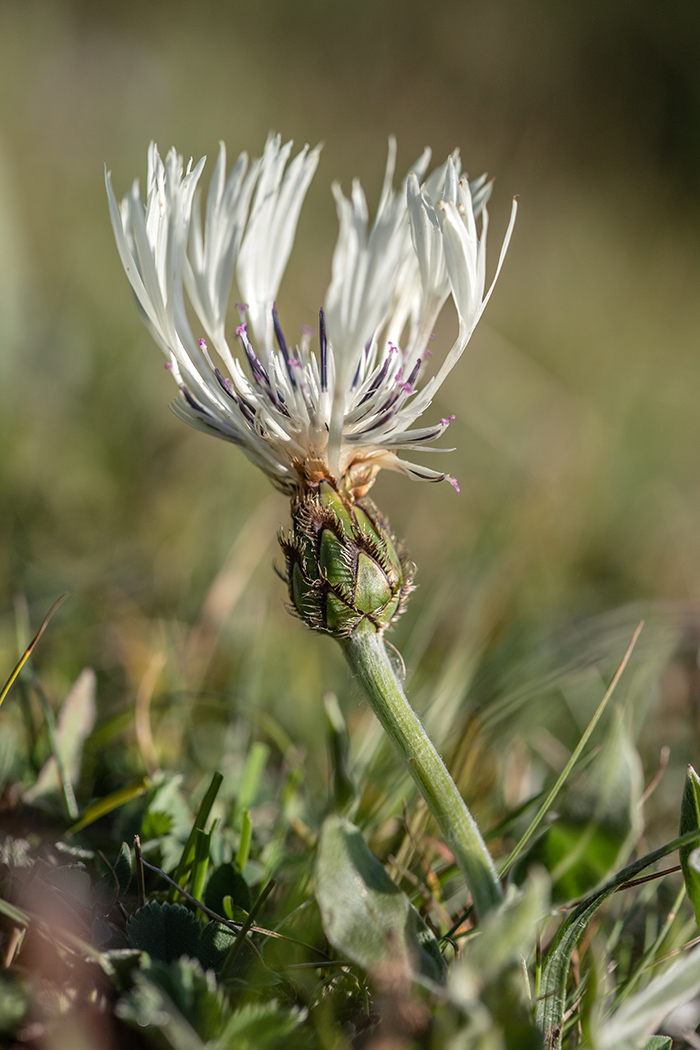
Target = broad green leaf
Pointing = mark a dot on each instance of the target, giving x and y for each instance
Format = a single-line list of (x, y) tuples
[(366, 917), (690, 821), (659, 1042)]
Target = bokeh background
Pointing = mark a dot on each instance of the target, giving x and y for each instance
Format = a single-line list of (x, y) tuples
[(577, 426)]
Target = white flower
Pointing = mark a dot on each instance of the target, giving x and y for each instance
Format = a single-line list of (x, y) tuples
[(345, 409)]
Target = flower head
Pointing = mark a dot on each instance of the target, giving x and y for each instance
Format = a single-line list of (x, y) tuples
[(345, 408)]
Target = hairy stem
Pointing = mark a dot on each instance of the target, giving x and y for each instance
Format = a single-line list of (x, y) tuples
[(368, 659)]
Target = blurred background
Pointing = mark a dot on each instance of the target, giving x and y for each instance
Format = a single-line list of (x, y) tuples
[(577, 426)]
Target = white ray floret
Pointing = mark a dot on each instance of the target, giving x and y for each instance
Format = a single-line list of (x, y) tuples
[(346, 409)]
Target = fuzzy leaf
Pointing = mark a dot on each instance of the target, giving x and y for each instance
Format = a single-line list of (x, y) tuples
[(263, 1027), (366, 917), (630, 1027), (176, 996)]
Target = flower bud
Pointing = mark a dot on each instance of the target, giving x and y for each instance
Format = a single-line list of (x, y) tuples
[(343, 566)]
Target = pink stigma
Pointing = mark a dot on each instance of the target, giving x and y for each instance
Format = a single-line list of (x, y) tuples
[(241, 330), (308, 331), (407, 388), (168, 365), (202, 343), (431, 337), (453, 482), (446, 422), (241, 306)]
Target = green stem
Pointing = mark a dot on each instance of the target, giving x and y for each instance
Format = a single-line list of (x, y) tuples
[(368, 659)]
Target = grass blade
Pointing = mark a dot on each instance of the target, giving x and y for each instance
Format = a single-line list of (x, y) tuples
[(200, 820), (28, 651), (561, 780)]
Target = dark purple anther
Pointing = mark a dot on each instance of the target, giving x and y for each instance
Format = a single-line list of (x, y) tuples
[(381, 419), (414, 373), (192, 402), (256, 366), (282, 343), (360, 363), (225, 384), (324, 349), (377, 381)]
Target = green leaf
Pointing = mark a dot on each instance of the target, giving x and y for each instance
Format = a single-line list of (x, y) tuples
[(508, 932), (690, 821), (263, 1027), (123, 869), (201, 817), (366, 917), (166, 931), (175, 997), (659, 1042), (550, 1005), (226, 881), (117, 880), (167, 819), (631, 1025)]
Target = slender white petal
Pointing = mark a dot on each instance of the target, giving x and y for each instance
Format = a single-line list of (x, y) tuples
[(270, 233), (342, 412)]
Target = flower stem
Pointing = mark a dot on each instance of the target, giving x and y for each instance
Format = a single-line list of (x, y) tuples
[(365, 653)]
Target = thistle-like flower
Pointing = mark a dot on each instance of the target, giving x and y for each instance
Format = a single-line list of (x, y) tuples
[(322, 422), (347, 407)]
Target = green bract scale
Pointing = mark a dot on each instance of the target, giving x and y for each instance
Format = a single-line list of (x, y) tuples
[(343, 566)]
